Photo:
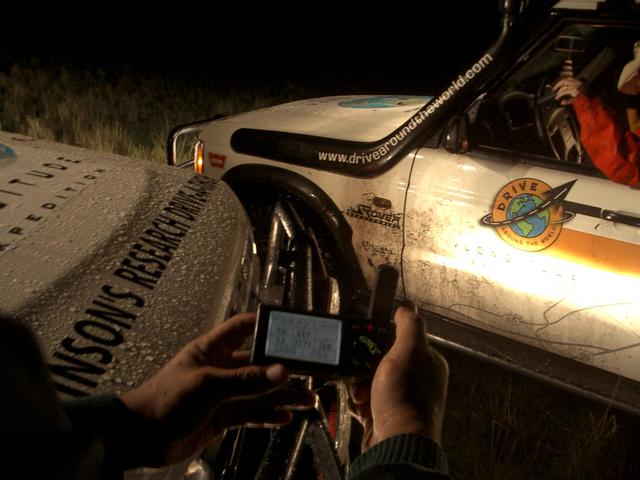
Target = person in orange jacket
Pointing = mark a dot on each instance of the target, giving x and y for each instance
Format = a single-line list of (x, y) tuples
[(615, 152)]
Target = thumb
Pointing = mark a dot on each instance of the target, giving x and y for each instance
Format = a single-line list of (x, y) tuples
[(410, 332), (248, 381)]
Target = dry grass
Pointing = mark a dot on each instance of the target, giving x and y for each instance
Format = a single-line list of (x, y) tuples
[(498, 426), (116, 111)]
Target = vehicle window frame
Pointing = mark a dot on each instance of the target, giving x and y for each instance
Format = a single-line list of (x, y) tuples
[(530, 53)]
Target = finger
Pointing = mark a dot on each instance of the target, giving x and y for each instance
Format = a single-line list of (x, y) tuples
[(287, 397), (410, 333), (249, 381), (229, 335), (241, 358), (240, 413), (284, 417), (573, 91), (409, 305), (564, 84), (273, 408)]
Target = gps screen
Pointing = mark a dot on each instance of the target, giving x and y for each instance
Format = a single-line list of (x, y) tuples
[(302, 337)]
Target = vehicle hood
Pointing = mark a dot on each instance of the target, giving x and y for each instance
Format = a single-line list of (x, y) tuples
[(357, 118), (114, 262)]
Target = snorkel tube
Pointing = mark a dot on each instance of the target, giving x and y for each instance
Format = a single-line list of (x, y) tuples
[(368, 159)]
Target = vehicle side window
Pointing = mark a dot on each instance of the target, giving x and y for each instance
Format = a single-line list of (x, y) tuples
[(535, 112)]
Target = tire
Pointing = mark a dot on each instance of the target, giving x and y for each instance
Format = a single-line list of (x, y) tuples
[(331, 262), (313, 272)]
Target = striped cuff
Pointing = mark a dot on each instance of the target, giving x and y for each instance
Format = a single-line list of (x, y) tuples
[(407, 448)]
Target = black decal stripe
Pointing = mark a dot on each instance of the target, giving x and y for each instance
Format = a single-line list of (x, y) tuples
[(604, 214), (368, 159)]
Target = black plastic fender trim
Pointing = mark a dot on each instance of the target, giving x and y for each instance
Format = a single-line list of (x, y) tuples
[(294, 184)]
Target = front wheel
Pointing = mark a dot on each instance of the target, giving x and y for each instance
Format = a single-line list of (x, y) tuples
[(334, 264), (297, 273)]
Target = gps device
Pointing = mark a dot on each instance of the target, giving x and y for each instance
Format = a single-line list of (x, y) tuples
[(326, 345), (319, 344)]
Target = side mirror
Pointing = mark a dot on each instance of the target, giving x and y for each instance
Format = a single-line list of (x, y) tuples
[(456, 139)]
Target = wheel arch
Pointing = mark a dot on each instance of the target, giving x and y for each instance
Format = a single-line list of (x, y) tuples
[(279, 181)]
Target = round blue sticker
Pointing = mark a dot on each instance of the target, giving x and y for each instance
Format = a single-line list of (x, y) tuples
[(6, 152), (385, 102)]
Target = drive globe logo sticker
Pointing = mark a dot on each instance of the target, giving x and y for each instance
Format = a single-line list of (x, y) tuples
[(528, 213)]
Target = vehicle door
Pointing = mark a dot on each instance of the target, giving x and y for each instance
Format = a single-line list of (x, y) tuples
[(523, 236)]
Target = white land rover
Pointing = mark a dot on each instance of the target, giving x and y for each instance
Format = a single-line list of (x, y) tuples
[(506, 234), (116, 263)]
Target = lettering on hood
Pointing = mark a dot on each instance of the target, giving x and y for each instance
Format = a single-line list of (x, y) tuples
[(85, 353)]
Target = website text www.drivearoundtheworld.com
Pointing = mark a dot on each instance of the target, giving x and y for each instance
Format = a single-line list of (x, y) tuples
[(418, 118)]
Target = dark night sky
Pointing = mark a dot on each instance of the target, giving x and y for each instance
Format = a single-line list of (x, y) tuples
[(374, 47)]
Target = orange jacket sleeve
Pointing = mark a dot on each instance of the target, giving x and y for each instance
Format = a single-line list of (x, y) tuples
[(616, 154)]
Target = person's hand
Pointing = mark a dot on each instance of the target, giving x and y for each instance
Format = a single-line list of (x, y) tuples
[(409, 389), (206, 388), (567, 89)]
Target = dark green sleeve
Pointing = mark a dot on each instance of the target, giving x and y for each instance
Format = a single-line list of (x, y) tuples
[(118, 428), (407, 457)]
